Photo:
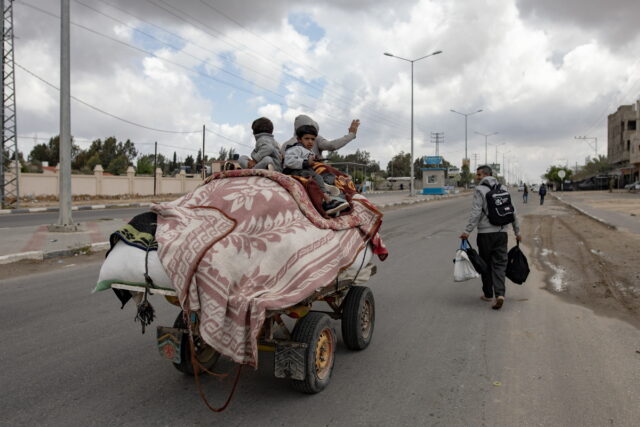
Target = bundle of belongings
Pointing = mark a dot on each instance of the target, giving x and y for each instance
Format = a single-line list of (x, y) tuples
[(245, 242)]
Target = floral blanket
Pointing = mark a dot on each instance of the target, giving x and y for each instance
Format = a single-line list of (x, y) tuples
[(249, 241)]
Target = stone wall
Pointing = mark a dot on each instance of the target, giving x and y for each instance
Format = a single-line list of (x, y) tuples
[(99, 184)]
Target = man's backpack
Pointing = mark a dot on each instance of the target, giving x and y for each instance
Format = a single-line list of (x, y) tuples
[(500, 210)]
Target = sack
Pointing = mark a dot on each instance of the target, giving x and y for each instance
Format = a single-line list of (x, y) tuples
[(517, 265), (478, 263), (462, 268), (500, 210)]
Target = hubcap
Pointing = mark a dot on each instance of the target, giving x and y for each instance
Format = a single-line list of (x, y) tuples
[(365, 320), (324, 353)]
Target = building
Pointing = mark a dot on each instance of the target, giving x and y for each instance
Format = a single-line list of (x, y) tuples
[(623, 141)]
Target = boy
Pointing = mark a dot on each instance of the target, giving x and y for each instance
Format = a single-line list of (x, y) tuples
[(266, 154), (299, 161)]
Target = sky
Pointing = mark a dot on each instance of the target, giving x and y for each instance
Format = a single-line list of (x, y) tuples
[(541, 71)]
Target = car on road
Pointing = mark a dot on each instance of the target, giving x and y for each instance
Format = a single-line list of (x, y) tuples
[(633, 186)]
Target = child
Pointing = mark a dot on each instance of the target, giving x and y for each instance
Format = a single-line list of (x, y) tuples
[(299, 161), (266, 154)]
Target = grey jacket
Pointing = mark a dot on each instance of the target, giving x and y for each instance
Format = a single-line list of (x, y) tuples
[(478, 217), (296, 157), (266, 145), (321, 142)]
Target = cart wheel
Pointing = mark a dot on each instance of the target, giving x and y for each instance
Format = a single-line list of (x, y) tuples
[(358, 318), (205, 354), (316, 331)]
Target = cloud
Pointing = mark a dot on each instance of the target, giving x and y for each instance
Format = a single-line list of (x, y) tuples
[(542, 72)]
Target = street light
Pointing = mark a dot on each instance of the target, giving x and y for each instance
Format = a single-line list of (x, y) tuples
[(412, 193), (485, 143), (465, 127)]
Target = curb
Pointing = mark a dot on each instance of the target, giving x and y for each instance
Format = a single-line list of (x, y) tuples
[(585, 213), (75, 208), (103, 246)]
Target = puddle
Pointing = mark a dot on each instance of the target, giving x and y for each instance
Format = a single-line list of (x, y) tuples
[(547, 252), (557, 280)]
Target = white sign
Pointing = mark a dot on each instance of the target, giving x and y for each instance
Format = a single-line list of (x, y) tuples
[(562, 173)]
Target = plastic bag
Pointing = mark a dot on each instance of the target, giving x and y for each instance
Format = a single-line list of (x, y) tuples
[(517, 265), (462, 268)]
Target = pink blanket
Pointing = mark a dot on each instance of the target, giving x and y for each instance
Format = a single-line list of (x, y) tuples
[(250, 241)]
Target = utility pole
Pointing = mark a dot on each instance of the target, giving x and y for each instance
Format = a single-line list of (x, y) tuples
[(475, 161), (65, 222), (437, 138), (204, 171), (155, 165), (586, 138), (9, 188)]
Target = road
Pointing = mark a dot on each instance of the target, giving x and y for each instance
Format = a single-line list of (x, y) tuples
[(439, 356)]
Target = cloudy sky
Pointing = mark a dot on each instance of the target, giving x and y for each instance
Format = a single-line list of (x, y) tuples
[(542, 71)]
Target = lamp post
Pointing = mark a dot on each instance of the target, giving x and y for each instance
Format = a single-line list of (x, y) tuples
[(412, 193), (487, 135), (465, 126)]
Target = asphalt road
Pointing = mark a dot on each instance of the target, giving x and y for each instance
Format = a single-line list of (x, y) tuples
[(439, 356)]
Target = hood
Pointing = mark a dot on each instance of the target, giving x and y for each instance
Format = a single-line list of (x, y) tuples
[(491, 180), (302, 120)]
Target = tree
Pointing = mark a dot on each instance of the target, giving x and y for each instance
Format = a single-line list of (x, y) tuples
[(174, 164), (400, 165), (199, 161), (465, 176), (552, 174), (189, 162), (50, 152), (144, 165), (118, 165)]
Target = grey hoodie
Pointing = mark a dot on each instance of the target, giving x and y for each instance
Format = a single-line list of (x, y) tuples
[(478, 217), (266, 145), (321, 142)]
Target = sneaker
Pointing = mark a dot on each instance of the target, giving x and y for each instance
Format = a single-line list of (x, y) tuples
[(498, 304), (270, 167), (335, 206), (332, 189)]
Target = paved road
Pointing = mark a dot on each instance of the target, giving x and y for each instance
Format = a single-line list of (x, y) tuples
[(439, 356)]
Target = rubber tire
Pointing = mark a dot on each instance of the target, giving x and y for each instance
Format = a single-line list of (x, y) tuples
[(352, 309), (307, 330), (185, 366)]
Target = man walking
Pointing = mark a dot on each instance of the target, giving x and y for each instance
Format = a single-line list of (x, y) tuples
[(492, 239), (525, 193), (542, 191)]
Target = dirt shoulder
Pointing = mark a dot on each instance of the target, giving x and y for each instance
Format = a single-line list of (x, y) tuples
[(586, 262)]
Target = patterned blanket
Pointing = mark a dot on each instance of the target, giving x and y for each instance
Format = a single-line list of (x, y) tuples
[(248, 241)]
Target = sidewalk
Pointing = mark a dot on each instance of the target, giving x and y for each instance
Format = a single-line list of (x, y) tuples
[(37, 243), (619, 210)]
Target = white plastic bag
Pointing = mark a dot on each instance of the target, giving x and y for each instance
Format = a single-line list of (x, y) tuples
[(462, 268)]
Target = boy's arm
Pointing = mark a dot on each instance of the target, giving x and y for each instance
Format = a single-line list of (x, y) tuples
[(264, 149), (476, 212), (294, 158)]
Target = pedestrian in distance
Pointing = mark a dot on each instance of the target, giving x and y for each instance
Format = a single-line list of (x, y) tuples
[(542, 191), (525, 193), (491, 212)]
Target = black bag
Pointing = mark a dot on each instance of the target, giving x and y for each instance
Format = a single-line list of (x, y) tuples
[(517, 265), (478, 263), (500, 210)]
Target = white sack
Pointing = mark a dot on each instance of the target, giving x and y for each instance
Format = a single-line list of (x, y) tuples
[(462, 268)]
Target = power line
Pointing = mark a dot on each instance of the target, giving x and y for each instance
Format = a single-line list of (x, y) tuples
[(103, 111), (380, 116), (176, 64)]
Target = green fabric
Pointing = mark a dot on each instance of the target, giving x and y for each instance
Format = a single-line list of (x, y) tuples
[(133, 237)]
